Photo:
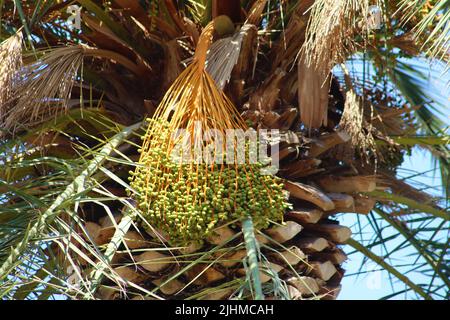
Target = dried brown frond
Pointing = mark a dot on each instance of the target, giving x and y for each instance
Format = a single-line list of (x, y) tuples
[(313, 84), (285, 53), (224, 54), (332, 29), (313, 88), (10, 62), (392, 121), (354, 124), (43, 88), (173, 65), (255, 14)]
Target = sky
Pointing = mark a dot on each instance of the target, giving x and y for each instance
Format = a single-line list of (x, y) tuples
[(375, 284)]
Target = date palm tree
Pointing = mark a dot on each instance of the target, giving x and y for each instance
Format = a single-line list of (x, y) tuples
[(342, 83)]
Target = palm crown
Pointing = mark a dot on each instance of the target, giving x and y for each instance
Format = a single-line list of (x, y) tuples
[(341, 80)]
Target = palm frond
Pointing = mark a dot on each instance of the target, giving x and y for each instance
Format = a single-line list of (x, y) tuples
[(379, 260), (331, 30), (10, 63), (252, 255), (76, 238), (433, 28), (73, 188), (42, 89)]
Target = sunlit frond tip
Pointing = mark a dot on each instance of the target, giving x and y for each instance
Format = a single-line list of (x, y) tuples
[(41, 89), (10, 62)]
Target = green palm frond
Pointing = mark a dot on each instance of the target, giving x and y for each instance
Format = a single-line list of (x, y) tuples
[(72, 189), (252, 255), (369, 254), (35, 271), (433, 27), (413, 85), (409, 236), (412, 204)]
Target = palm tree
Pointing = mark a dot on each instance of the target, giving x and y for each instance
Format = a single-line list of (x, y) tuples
[(76, 104)]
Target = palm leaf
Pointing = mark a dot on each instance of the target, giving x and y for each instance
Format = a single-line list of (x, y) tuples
[(379, 260), (71, 189)]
